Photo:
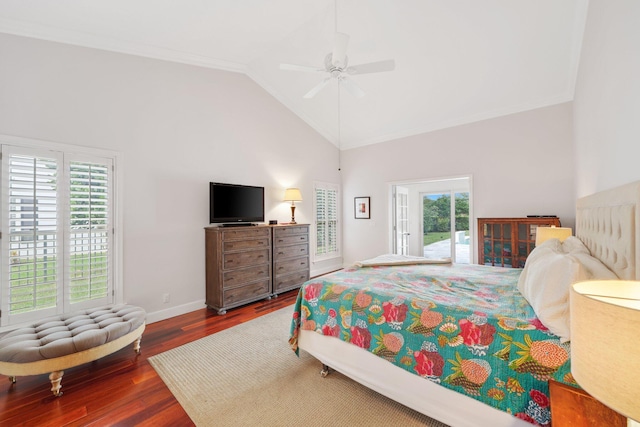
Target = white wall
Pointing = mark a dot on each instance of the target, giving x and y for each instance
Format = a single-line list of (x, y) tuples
[(607, 98), (178, 127), (521, 165)]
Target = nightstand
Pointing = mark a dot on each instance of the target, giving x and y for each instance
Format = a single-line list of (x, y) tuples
[(574, 407)]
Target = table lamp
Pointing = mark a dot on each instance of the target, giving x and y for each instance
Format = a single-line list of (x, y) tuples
[(605, 348), (292, 195), (553, 232)]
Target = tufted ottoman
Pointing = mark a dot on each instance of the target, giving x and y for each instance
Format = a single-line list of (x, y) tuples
[(68, 340)]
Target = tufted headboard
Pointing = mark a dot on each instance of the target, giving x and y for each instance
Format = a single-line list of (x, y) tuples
[(608, 223)]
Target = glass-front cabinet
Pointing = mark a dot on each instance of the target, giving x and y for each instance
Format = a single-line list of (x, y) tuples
[(506, 242)]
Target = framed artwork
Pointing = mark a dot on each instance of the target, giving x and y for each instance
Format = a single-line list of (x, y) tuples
[(362, 206)]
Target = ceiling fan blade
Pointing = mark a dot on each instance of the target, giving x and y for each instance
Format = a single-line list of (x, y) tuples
[(317, 88), (351, 87), (339, 54), (372, 67), (293, 67)]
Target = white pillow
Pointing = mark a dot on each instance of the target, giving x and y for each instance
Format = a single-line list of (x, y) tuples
[(548, 274)]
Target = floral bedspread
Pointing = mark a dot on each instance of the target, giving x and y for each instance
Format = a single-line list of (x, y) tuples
[(467, 328)]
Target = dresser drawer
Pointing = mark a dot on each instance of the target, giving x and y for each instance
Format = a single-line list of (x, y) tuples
[(245, 275), (287, 281), (246, 293), (288, 231), (291, 266), (291, 240), (284, 252), (237, 245), (243, 233), (245, 259)]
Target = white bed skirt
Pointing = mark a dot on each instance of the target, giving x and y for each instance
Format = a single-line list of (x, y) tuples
[(419, 394)]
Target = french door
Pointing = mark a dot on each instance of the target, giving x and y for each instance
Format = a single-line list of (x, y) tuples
[(401, 200), (432, 218)]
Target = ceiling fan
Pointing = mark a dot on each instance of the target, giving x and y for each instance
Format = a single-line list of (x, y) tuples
[(336, 66)]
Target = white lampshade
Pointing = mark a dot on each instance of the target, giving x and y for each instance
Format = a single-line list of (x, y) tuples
[(605, 347), (553, 232), (292, 195)]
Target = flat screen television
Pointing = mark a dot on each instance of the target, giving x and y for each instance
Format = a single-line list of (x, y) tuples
[(231, 203)]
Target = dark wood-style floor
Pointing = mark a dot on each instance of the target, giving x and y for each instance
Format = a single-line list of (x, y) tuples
[(121, 389)]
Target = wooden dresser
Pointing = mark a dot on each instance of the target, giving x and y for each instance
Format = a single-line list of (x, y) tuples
[(507, 242), (246, 264), (290, 257), (238, 266)]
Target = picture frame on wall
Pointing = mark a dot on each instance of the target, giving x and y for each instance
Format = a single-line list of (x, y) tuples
[(362, 207)]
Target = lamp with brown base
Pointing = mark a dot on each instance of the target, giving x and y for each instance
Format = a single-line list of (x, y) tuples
[(292, 195)]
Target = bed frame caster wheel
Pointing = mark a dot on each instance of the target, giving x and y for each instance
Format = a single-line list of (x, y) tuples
[(324, 371)]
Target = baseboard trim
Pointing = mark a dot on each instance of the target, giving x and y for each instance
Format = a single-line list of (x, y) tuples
[(157, 316)]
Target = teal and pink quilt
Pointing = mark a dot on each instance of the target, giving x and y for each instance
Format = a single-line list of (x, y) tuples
[(465, 327)]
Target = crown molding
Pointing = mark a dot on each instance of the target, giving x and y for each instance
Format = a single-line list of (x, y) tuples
[(43, 32)]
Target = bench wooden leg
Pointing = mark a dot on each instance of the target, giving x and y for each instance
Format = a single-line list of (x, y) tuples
[(56, 378), (136, 344)]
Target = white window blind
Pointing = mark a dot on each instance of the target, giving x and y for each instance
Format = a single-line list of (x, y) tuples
[(32, 240), (89, 260), (326, 208), (56, 233)]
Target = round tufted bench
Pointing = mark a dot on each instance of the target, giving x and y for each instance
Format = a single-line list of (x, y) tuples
[(67, 340)]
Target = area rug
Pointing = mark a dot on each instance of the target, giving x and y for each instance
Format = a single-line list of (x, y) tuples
[(248, 376)]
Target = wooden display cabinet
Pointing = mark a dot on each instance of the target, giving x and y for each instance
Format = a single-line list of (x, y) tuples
[(506, 242)]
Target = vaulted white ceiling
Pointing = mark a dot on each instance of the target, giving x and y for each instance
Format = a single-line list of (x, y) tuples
[(457, 61)]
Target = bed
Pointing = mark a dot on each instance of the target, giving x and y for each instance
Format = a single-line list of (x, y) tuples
[(456, 343)]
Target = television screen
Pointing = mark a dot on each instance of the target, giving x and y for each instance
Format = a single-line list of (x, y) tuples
[(235, 203)]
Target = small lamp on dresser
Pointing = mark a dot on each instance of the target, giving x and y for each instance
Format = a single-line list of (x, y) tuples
[(292, 195), (605, 347), (553, 232)]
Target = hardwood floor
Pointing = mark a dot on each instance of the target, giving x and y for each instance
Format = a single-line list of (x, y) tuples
[(122, 388)]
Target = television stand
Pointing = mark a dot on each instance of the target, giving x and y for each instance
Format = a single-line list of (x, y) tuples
[(237, 224)]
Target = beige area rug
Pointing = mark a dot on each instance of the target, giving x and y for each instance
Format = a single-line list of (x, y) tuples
[(248, 376)]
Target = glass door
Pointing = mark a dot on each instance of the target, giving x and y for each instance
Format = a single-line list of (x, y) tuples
[(402, 220), (445, 217), (431, 218)]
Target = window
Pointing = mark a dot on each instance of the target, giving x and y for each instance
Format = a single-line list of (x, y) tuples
[(327, 239), (57, 232)]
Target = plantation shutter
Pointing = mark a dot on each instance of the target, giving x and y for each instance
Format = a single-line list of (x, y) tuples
[(57, 233), (326, 202), (321, 221), (31, 243), (88, 264), (332, 221)]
